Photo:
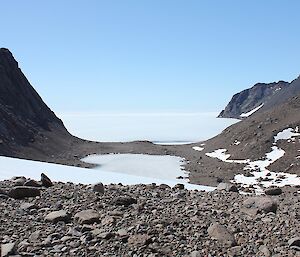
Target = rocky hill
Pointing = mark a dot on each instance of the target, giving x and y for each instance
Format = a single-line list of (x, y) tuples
[(260, 97), (26, 121), (263, 147)]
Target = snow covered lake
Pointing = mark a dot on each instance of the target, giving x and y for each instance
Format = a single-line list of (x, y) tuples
[(160, 128)]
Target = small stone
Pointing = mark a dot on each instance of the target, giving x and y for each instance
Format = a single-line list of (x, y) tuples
[(87, 217), (139, 240), (234, 251), (8, 249), (294, 243), (124, 200), (195, 254), (273, 191), (34, 237), (122, 232), (227, 187), (46, 182), (264, 251), (18, 181), (179, 186), (28, 206), (106, 235), (222, 234), (57, 216), (20, 192), (99, 188)]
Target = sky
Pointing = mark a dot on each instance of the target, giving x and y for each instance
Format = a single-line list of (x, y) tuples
[(152, 56)]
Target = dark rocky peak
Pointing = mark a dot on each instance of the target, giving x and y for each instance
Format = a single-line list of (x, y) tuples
[(260, 95), (23, 113), (18, 96)]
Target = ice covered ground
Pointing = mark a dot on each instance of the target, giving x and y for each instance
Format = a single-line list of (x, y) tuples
[(10, 167), (261, 175), (160, 128)]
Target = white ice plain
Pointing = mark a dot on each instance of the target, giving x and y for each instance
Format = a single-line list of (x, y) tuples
[(10, 167)]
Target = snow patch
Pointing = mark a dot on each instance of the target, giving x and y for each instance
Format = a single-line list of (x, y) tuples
[(261, 176), (247, 114), (287, 134), (236, 142), (198, 148), (222, 156)]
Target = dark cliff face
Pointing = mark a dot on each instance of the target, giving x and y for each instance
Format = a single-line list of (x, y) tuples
[(251, 98), (23, 114)]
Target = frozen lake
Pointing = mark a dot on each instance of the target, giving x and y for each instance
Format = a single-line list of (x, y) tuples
[(152, 166), (162, 128), (17, 167)]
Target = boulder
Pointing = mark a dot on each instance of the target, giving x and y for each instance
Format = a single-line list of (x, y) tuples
[(99, 188), (227, 187), (260, 204), (46, 182), (20, 192), (273, 191), (87, 217), (221, 234), (124, 200), (57, 216)]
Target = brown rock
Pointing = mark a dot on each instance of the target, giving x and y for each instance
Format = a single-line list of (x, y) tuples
[(20, 192), (46, 182), (87, 217), (273, 191), (261, 204), (222, 234), (139, 240), (32, 183), (57, 216)]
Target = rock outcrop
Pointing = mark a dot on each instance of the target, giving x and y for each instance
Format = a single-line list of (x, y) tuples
[(261, 95), (28, 128)]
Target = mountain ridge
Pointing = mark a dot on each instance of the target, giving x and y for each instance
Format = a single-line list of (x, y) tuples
[(266, 94)]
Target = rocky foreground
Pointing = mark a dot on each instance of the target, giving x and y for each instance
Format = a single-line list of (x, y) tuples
[(41, 218)]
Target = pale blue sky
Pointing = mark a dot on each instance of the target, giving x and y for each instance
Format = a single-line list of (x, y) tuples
[(158, 55)]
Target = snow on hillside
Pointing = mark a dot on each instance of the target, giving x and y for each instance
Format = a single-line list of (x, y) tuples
[(247, 114)]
